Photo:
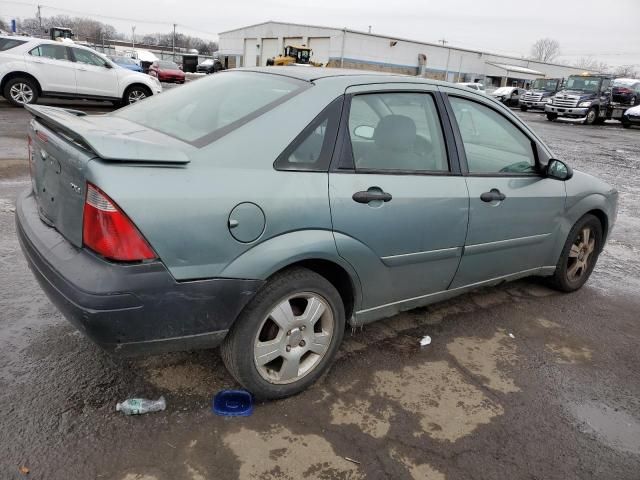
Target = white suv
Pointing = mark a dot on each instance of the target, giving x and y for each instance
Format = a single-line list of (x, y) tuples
[(31, 68)]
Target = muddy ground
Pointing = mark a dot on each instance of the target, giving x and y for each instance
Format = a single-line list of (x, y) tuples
[(520, 382)]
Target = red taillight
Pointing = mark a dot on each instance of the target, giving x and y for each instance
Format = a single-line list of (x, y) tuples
[(109, 232)]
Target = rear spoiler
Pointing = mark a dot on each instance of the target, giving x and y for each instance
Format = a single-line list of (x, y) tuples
[(128, 143)]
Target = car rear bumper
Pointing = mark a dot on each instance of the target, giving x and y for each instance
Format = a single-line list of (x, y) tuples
[(128, 309)]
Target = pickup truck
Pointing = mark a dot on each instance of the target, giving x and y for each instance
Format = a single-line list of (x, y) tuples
[(585, 96), (541, 91)]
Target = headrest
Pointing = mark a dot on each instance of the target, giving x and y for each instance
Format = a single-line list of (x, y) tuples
[(395, 132)]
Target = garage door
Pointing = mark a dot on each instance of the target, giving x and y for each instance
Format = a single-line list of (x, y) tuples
[(320, 47), (292, 41), (270, 49), (250, 52)]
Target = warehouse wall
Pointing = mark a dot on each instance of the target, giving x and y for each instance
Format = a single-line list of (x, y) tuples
[(381, 53)]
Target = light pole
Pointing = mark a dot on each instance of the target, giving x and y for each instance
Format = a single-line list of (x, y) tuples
[(133, 37)]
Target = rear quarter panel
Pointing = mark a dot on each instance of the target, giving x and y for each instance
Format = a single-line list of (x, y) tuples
[(184, 211)]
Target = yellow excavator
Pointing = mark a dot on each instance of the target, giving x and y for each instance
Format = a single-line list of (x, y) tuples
[(294, 55)]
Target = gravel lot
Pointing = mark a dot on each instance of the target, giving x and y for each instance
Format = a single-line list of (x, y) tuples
[(559, 399)]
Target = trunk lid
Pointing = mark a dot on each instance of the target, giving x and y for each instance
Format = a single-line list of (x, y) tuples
[(63, 142)]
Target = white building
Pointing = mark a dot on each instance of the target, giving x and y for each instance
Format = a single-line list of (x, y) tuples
[(341, 47)]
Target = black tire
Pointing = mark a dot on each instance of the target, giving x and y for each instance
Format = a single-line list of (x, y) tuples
[(21, 87), (134, 91), (562, 279), (592, 116), (238, 347), (626, 124), (600, 121), (524, 108), (552, 117)]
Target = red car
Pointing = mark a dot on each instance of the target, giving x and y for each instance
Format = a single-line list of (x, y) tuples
[(166, 71)]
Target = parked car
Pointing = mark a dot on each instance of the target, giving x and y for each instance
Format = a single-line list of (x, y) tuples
[(478, 87), (167, 71), (210, 65), (266, 209), (631, 117), (626, 91), (126, 62), (510, 96), (31, 68)]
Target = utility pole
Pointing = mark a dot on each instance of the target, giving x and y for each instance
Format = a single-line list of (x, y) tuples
[(40, 16), (174, 43), (133, 37), (443, 41), (446, 71)]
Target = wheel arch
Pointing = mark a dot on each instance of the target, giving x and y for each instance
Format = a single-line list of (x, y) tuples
[(19, 74), (604, 222), (137, 84), (334, 274)]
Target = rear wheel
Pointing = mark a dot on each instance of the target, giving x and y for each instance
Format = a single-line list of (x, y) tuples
[(135, 93), (579, 255), (287, 336), (21, 91), (524, 108), (552, 117), (626, 124)]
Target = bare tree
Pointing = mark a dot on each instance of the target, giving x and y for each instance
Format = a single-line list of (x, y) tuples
[(545, 50), (3, 25), (626, 71), (593, 64)]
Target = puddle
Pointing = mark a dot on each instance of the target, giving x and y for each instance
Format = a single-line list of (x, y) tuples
[(447, 406), (280, 454), (616, 428)]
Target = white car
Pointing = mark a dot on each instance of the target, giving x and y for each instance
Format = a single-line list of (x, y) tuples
[(478, 87), (32, 67)]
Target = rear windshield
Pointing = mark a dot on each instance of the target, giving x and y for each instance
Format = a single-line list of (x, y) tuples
[(8, 43), (168, 65), (205, 109)]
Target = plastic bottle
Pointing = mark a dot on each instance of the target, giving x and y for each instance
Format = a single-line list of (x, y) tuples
[(138, 406)]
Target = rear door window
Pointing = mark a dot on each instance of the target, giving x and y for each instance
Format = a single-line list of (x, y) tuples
[(9, 43), (214, 106), (54, 52)]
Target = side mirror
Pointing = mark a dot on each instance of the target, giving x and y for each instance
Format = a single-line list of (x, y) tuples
[(107, 65), (558, 170), (364, 131)]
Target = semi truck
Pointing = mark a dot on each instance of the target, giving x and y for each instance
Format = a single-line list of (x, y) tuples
[(541, 91), (585, 96)]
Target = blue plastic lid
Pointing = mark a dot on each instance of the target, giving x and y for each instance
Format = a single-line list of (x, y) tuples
[(233, 403)]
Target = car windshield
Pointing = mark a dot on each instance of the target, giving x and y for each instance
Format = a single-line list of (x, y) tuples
[(8, 43), (583, 84), (168, 65), (205, 110), (544, 84)]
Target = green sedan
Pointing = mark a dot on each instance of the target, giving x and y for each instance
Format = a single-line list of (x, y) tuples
[(266, 209)]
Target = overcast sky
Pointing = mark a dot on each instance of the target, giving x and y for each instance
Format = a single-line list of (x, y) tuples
[(606, 29)]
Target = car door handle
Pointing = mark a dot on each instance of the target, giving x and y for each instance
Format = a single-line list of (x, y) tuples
[(493, 195), (370, 196), (82, 69)]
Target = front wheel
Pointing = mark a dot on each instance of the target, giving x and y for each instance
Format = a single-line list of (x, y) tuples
[(592, 116), (523, 108), (134, 94), (579, 255), (552, 117), (20, 92), (287, 336), (626, 124)]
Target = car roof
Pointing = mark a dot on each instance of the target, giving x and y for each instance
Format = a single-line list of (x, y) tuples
[(311, 74), (47, 41)]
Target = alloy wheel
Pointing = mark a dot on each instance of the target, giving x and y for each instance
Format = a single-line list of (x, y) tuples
[(591, 116), (21, 93), (580, 254), (136, 96), (293, 338)]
